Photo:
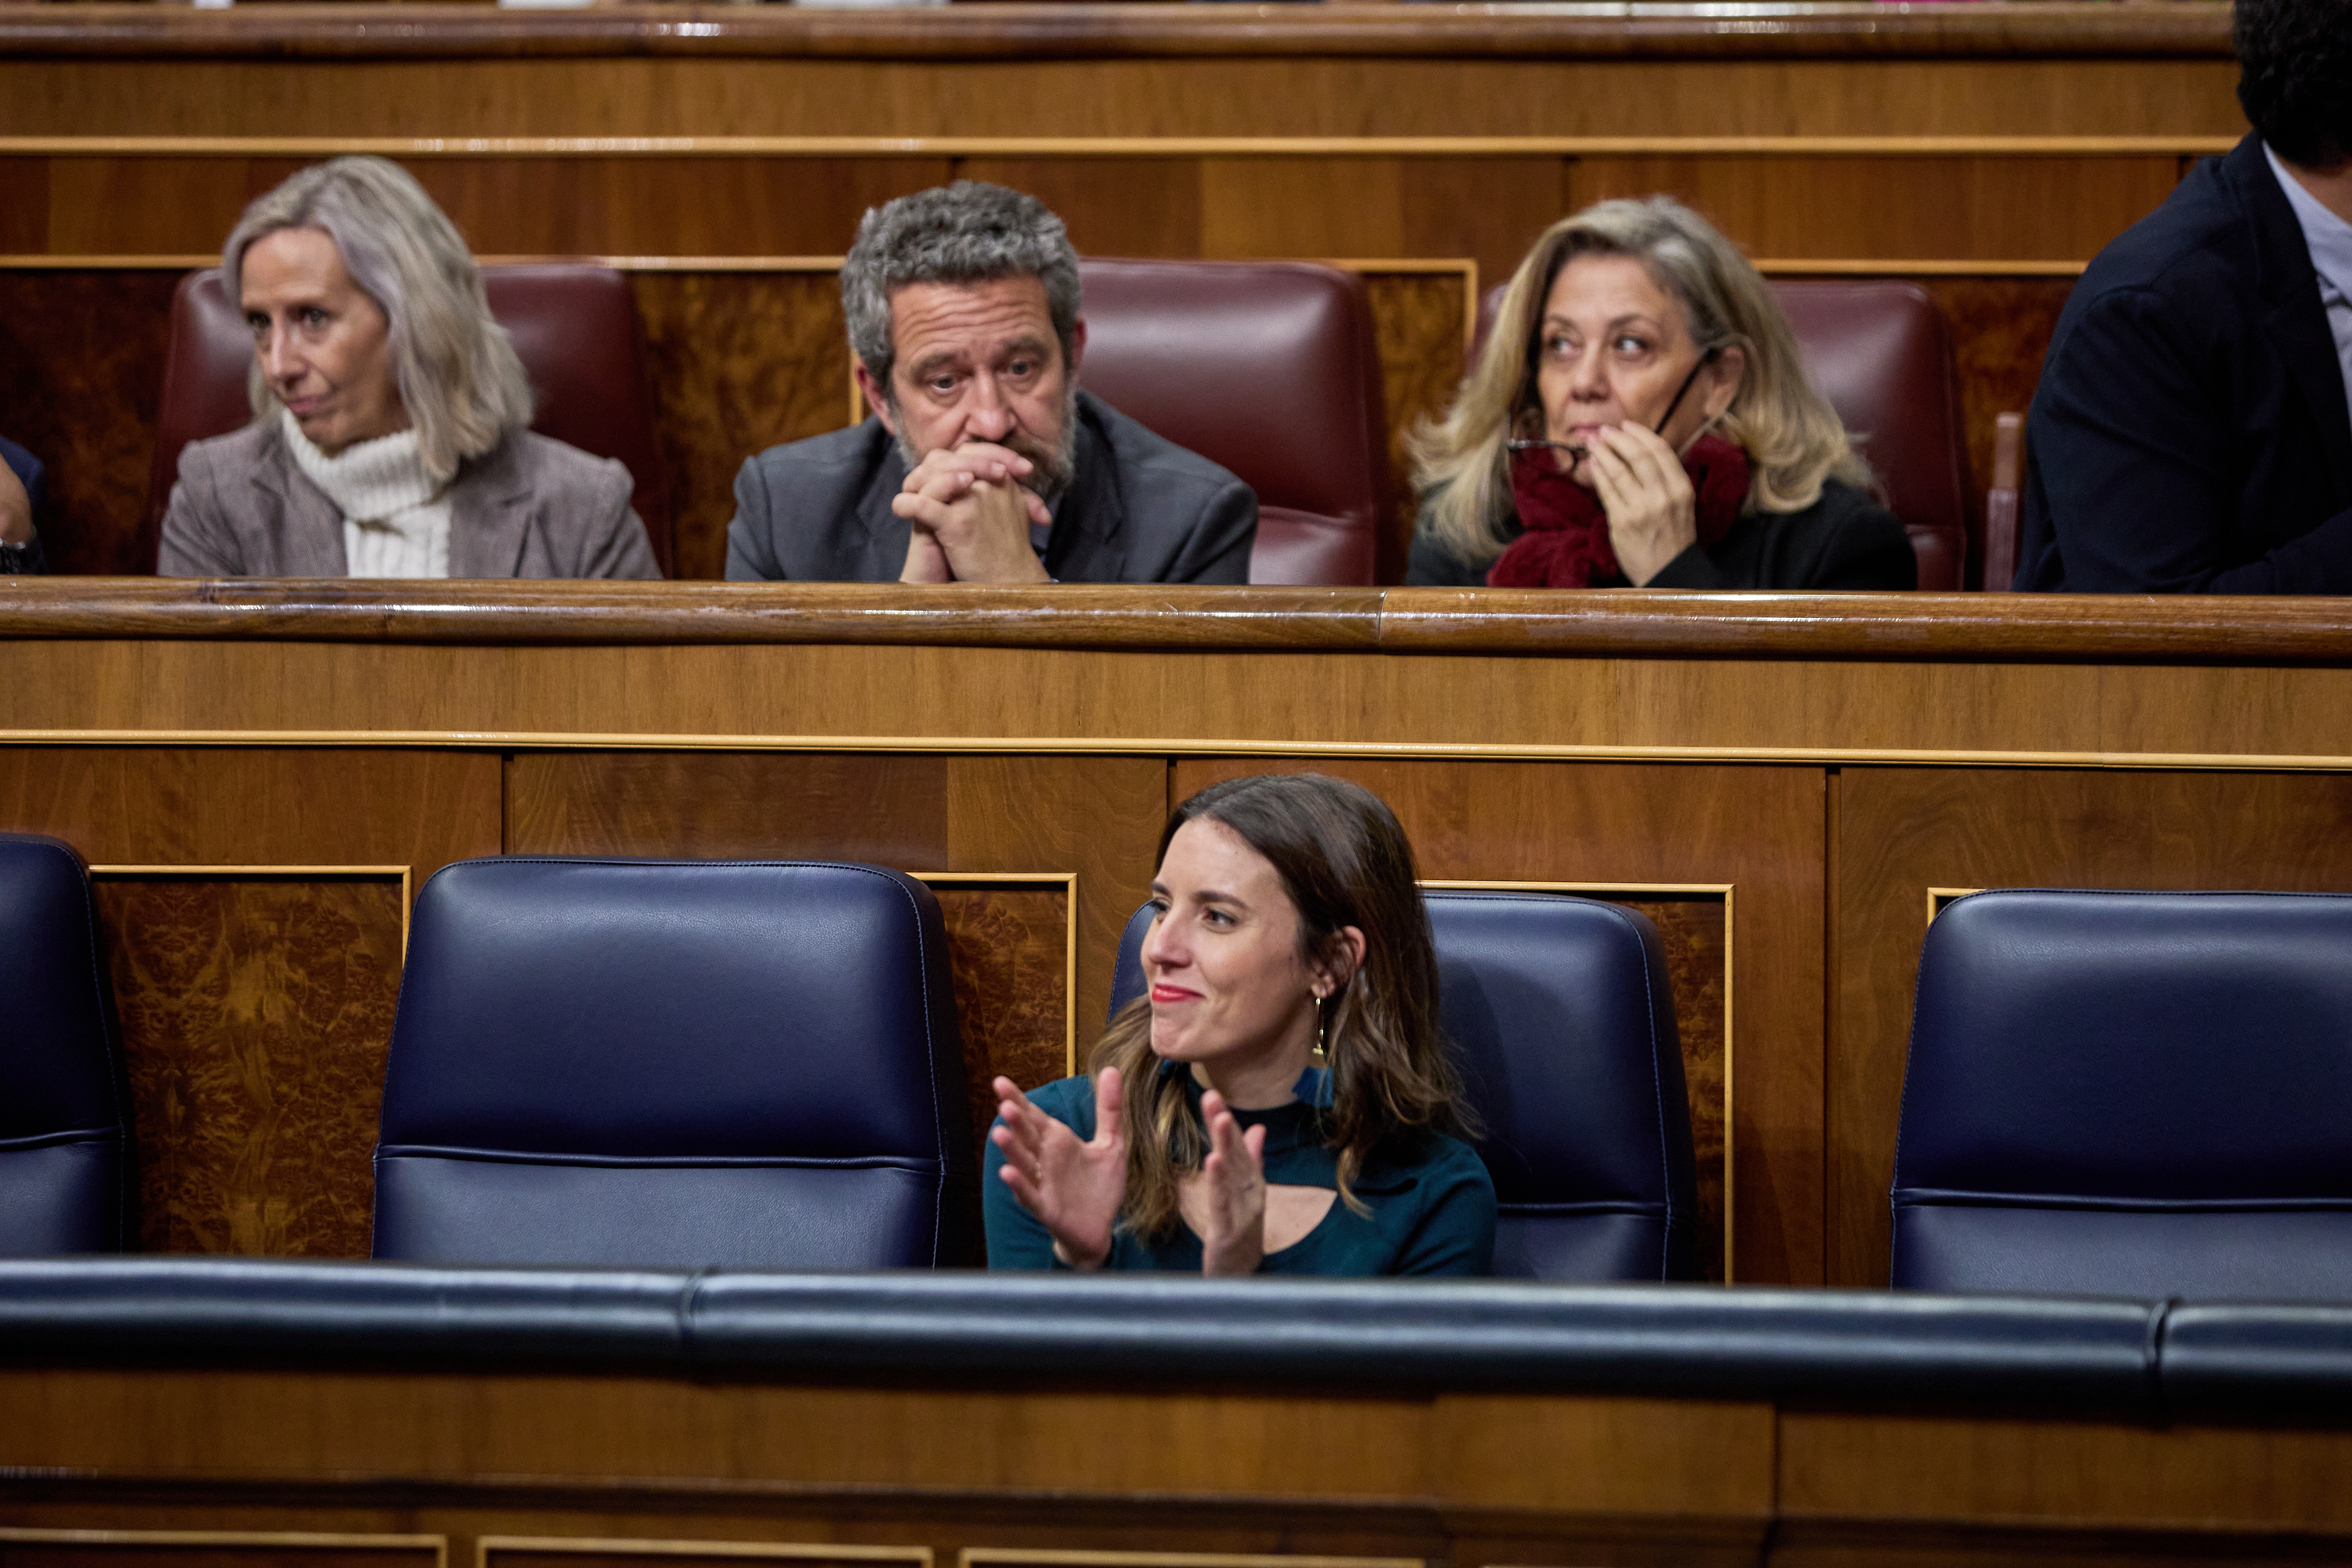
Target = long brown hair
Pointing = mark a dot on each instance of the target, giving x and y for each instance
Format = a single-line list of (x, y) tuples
[(1344, 861)]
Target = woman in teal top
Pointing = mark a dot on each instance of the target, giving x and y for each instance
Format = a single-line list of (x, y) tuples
[(1280, 1100)]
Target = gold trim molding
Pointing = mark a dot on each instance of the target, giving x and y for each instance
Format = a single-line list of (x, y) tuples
[(1938, 896), (1116, 146), (1160, 746), (1048, 1557), (770, 1551), (279, 1539)]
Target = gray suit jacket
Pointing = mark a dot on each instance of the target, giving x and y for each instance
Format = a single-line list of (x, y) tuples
[(530, 507), (1139, 510)]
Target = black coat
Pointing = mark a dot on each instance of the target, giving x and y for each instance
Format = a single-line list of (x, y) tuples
[(1844, 539), (2190, 434)]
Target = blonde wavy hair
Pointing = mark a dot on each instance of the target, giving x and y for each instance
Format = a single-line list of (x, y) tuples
[(460, 380), (1790, 432)]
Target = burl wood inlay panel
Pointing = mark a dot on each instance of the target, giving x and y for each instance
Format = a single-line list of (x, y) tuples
[(1417, 319), (84, 358), (1008, 951), (739, 361), (255, 1013), (1691, 929)]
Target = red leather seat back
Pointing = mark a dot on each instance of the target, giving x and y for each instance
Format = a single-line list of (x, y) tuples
[(1880, 353), (575, 327), (1269, 369)]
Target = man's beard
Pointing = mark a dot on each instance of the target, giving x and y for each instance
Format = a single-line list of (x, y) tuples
[(1051, 467)]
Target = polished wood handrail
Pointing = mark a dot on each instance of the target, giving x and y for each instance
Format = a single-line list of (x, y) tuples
[(2197, 28), (1894, 627)]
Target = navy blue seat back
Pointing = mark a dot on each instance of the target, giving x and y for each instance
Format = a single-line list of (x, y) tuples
[(2130, 1093), (65, 1140), (745, 1064), (1563, 1025)]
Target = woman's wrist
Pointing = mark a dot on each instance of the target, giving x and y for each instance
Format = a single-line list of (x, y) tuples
[(1069, 1258)]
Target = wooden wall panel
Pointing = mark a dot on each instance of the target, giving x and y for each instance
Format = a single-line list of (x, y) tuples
[(1941, 209), (1097, 817), (255, 1014), (162, 205), (24, 205), (150, 206), (1207, 95), (1759, 830), (1114, 206), (198, 805), (1902, 831)]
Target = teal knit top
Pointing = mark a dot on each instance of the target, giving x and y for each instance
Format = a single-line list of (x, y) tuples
[(1431, 1202)]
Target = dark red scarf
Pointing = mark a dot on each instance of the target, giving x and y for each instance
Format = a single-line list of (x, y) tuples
[(1566, 544)]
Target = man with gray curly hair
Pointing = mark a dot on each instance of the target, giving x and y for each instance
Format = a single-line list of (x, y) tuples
[(981, 461)]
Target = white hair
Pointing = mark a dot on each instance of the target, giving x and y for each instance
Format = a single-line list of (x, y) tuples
[(460, 380)]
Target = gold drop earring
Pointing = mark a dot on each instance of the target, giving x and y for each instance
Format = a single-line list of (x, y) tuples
[(1321, 1043)]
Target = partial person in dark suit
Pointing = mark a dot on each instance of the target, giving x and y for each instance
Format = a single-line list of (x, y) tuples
[(982, 462), (2192, 432), (20, 504), (390, 432), (1640, 417)]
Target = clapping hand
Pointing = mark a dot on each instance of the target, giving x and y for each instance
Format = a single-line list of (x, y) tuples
[(1073, 1187), (1231, 1196)]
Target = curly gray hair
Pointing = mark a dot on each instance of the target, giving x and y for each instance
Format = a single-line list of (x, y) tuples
[(969, 232), (460, 380)]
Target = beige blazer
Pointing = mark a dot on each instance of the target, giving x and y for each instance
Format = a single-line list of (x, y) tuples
[(530, 507)]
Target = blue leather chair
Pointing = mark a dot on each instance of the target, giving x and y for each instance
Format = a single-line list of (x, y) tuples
[(1563, 1025), (65, 1134), (2130, 1093), (747, 1064)]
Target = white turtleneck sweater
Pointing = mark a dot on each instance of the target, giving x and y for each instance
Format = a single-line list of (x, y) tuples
[(395, 519)]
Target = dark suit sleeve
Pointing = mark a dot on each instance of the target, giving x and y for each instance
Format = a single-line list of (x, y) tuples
[(29, 471), (2131, 437), (751, 553), (1217, 547)]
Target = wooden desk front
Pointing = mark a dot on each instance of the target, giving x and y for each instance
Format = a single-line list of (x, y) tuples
[(1785, 782), (121, 1468)]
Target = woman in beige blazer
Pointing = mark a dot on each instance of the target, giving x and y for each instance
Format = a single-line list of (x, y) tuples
[(390, 432)]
